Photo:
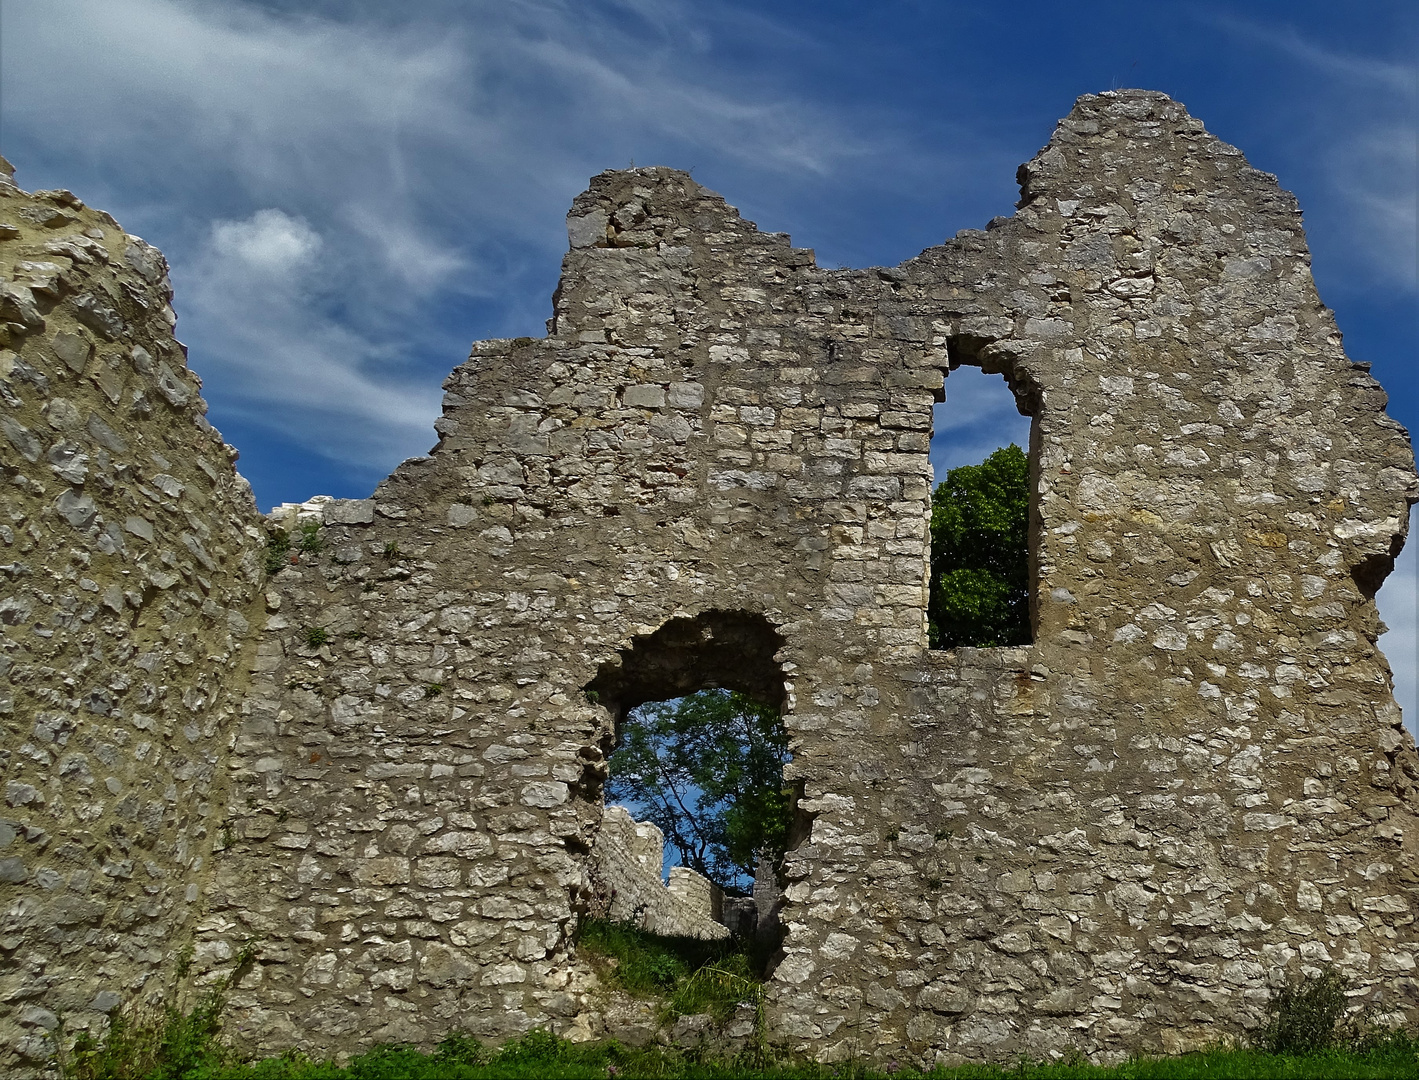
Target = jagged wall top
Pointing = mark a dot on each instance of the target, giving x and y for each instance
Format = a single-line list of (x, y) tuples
[(715, 468)]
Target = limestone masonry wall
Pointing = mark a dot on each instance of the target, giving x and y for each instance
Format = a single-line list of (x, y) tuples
[(714, 471), (130, 550)]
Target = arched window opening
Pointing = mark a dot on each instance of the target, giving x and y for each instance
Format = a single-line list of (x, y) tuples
[(696, 759), (982, 530)]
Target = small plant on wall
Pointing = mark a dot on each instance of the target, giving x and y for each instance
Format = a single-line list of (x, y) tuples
[(311, 542), (278, 547)]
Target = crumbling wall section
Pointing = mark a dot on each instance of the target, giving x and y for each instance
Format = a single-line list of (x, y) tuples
[(714, 471), (130, 554), (625, 874), (416, 859), (1191, 787), (1195, 784)]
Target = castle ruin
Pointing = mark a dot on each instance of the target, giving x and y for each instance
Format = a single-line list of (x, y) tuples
[(713, 472)]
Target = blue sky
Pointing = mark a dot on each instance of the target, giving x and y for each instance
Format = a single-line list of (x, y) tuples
[(350, 192)]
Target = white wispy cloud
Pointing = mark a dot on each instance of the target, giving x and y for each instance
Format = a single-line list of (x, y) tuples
[(1375, 172), (253, 287), (270, 247), (1368, 143), (322, 186), (409, 253)]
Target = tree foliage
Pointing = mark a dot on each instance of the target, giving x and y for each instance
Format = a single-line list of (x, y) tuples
[(980, 516), (708, 770)]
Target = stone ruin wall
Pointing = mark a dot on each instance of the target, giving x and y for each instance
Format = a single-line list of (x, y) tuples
[(713, 471), (626, 880), (130, 552)]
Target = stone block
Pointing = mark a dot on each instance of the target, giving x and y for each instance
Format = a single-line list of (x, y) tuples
[(349, 512)]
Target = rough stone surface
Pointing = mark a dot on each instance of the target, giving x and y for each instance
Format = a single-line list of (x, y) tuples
[(128, 562), (625, 875), (1193, 785)]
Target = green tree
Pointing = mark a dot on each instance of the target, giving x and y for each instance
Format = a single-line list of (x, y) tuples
[(980, 519), (708, 770)]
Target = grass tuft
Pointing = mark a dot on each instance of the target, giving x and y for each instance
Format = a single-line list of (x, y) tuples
[(649, 965), (718, 989)]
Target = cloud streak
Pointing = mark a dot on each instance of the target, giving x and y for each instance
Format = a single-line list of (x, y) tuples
[(369, 174), (1368, 144), (1367, 72)]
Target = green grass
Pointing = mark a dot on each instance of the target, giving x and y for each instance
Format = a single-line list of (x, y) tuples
[(540, 1055), (645, 964), (688, 975)]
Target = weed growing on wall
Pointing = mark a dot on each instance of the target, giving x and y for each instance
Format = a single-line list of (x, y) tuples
[(311, 542), (1310, 1016), (278, 548), (158, 1043)]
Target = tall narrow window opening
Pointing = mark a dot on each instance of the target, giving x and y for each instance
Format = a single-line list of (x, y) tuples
[(980, 580)]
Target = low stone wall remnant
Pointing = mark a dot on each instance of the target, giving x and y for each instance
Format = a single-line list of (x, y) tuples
[(625, 870)]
